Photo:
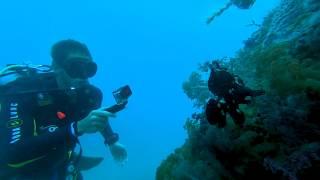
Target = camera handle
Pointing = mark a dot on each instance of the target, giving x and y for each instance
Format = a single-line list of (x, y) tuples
[(106, 132)]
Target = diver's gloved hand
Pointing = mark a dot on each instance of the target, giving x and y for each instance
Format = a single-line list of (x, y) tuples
[(94, 122), (119, 153)]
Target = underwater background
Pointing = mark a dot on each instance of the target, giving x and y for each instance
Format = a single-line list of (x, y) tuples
[(153, 46)]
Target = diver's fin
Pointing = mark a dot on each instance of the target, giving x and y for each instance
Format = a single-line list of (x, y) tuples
[(86, 162)]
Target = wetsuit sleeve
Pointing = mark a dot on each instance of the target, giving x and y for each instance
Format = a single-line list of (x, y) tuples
[(109, 136)]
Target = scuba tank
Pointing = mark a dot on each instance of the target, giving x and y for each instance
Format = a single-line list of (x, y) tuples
[(14, 71), (20, 78)]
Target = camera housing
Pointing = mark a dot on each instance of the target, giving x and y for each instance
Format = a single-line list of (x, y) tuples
[(121, 96)]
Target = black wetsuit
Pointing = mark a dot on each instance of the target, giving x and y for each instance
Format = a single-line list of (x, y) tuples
[(36, 137), (231, 91)]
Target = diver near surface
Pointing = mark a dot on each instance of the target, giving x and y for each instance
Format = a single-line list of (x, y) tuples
[(230, 91), (241, 4), (43, 113)]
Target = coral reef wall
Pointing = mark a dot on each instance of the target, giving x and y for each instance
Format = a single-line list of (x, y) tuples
[(281, 135)]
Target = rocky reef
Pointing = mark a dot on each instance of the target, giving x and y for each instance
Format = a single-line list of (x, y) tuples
[(281, 136)]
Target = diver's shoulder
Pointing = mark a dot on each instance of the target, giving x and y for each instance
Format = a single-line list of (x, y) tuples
[(37, 78), (36, 82)]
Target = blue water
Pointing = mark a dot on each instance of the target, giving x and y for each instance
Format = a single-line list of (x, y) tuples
[(151, 45)]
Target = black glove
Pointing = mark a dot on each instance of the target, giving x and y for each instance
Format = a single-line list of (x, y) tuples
[(215, 113)]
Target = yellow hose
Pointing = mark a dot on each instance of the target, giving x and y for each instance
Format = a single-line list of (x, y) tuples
[(8, 68)]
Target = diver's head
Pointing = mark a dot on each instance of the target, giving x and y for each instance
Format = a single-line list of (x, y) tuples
[(72, 61), (74, 58), (215, 65)]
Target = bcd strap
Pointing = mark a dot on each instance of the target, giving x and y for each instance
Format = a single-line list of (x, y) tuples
[(72, 171)]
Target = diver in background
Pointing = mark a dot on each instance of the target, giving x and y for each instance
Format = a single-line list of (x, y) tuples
[(43, 114), (230, 91), (241, 4)]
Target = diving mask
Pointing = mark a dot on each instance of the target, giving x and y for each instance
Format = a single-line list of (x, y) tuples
[(80, 67)]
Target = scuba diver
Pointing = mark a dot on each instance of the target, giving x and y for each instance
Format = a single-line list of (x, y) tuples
[(230, 91), (43, 111), (241, 4)]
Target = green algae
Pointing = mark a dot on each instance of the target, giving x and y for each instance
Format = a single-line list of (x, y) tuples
[(276, 70)]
